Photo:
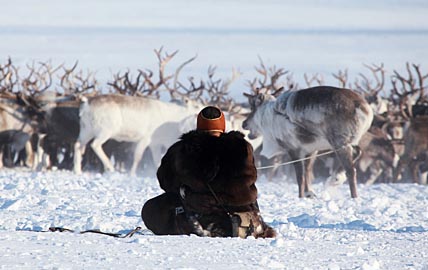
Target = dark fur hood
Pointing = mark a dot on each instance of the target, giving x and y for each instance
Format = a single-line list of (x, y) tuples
[(199, 141), (196, 134)]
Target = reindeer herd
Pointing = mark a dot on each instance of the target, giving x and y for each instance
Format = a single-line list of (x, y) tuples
[(50, 114), (394, 146), (58, 117)]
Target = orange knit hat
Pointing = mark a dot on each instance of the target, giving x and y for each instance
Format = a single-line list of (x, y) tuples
[(211, 119)]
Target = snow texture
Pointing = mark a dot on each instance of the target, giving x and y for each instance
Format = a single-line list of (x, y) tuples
[(386, 228)]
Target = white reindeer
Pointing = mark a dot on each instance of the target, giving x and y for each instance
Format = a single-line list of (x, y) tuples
[(306, 121), (123, 118), (169, 132)]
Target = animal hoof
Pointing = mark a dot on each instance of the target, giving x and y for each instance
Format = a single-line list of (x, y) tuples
[(310, 194)]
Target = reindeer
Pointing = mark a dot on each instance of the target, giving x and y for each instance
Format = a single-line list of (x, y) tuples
[(17, 116), (11, 143), (412, 102), (142, 118), (123, 118), (59, 124), (59, 131), (376, 163), (371, 90), (17, 125), (415, 148), (305, 121), (169, 129), (378, 159)]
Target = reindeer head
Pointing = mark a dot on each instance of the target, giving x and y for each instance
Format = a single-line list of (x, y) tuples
[(255, 102)]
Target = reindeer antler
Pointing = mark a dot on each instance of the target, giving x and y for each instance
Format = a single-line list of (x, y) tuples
[(318, 78), (8, 77), (366, 85), (39, 79), (412, 90), (342, 77), (269, 83), (73, 82)]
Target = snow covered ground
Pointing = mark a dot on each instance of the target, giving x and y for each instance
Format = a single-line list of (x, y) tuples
[(386, 228)]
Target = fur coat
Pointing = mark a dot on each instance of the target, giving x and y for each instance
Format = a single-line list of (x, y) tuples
[(200, 161)]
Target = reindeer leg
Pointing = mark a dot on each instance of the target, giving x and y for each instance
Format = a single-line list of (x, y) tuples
[(96, 145), (1, 156), (272, 172), (423, 178), (309, 175), (397, 172), (301, 181), (406, 159), (374, 175), (30, 154), (79, 149), (37, 163), (138, 154), (345, 156), (356, 153), (414, 167)]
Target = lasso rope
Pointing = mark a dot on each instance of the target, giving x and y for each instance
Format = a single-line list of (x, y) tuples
[(294, 161), (116, 235)]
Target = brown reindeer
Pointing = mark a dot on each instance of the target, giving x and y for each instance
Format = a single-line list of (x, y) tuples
[(415, 148), (378, 159), (412, 101)]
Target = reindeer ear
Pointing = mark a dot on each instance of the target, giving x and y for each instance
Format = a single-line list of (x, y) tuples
[(259, 99), (247, 95), (281, 103)]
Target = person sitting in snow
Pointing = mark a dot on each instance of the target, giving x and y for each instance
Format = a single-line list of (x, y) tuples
[(209, 181)]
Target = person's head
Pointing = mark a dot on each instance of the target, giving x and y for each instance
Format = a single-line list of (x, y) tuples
[(211, 119)]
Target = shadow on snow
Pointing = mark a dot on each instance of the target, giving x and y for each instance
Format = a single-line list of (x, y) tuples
[(308, 221)]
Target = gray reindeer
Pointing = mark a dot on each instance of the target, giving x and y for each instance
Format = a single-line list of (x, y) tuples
[(306, 121)]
